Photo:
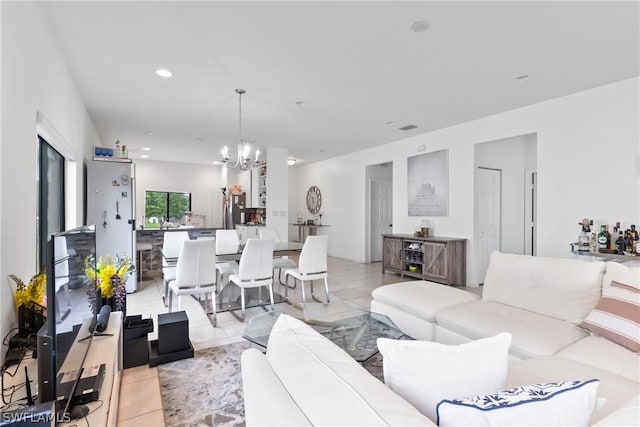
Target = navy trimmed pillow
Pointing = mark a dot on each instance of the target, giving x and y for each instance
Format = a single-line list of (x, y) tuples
[(564, 403)]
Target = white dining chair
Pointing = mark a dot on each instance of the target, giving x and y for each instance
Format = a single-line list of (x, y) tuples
[(279, 263), (256, 269), (171, 245), (227, 243), (195, 273), (312, 264)]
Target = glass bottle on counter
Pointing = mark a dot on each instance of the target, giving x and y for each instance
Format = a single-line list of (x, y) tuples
[(603, 238), (620, 244)]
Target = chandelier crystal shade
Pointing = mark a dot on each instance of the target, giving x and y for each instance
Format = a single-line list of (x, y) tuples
[(243, 160)]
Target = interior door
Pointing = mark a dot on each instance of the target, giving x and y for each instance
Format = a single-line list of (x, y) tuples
[(381, 215), (488, 216)]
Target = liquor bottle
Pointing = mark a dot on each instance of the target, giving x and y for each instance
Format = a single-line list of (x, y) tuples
[(603, 238), (613, 245), (620, 245)]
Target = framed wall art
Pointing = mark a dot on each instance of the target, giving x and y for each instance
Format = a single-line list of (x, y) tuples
[(428, 184)]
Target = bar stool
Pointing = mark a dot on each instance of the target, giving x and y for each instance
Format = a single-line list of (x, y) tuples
[(140, 249)]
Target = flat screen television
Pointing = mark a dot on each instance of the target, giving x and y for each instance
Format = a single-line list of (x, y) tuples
[(64, 340)]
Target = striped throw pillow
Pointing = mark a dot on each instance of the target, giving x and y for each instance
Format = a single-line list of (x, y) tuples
[(617, 316)]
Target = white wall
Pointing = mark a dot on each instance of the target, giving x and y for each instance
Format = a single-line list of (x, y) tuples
[(199, 180), (277, 199), (573, 133), (35, 79)]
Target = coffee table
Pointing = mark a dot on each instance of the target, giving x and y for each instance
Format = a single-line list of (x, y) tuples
[(354, 330)]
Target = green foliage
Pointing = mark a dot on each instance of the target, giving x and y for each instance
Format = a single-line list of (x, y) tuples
[(178, 205), (155, 204), (165, 204)]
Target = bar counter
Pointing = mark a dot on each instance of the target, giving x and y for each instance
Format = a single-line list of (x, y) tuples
[(152, 260)]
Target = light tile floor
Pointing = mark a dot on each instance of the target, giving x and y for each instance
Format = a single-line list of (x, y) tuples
[(140, 403)]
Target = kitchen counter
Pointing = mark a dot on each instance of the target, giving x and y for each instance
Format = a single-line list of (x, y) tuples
[(155, 237)]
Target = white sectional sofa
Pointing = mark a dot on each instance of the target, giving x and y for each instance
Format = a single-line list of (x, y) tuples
[(306, 380), (540, 301)]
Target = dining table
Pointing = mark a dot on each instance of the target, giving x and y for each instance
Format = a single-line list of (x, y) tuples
[(280, 249), (227, 298)]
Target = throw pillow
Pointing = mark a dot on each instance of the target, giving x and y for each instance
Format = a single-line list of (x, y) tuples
[(565, 403), (617, 316), (424, 372)]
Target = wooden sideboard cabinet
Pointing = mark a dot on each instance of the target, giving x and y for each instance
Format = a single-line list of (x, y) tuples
[(438, 259)]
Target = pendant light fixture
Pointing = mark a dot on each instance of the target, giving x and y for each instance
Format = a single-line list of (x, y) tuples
[(243, 160)]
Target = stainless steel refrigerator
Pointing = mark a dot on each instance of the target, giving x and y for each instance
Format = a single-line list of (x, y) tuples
[(233, 206), (111, 207)]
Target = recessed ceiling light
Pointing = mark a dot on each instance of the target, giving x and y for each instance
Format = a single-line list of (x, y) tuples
[(301, 103), (291, 161), (149, 133), (144, 156), (163, 72), (215, 163), (522, 78), (146, 149), (419, 26)]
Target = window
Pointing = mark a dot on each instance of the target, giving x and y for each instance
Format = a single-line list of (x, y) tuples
[(165, 206), (50, 203)]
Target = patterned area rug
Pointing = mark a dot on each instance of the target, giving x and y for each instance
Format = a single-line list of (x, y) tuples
[(207, 389)]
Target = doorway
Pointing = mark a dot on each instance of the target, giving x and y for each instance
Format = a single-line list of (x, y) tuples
[(504, 199), (379, 208)]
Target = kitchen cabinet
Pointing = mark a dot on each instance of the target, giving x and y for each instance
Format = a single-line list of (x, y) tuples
[(438, 259)]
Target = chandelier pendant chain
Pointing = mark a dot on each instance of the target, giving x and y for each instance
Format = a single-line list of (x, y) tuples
[(243, 161)]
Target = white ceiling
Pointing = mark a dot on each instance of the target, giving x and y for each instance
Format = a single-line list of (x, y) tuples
[(357, 65)]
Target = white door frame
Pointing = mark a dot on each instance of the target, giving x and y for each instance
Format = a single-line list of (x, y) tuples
[(530, 211)]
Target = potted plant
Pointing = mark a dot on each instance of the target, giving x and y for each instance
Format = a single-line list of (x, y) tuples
[(31, 302), (111, 276)]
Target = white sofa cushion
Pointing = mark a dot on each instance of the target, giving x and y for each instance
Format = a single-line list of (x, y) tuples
[(421, 298), (328, 385), (531, 331), (563, 403), (615, 390), (621, 274), (626, 415), (604, 354), (565, 289), (258, 381), (425, 372)]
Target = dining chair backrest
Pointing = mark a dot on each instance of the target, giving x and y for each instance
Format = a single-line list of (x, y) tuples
[(269, 233), (172, 243), (313, 258), (196, 264), (227, 242), (256, 261)]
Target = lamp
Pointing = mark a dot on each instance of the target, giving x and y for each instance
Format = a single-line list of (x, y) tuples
[(243, 161)]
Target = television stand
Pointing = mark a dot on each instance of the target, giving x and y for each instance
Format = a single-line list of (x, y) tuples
[(108, 351)]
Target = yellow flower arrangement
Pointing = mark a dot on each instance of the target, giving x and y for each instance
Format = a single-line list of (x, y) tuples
[(34, 291), (108, 273)]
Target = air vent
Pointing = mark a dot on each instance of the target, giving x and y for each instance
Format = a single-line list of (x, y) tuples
[(408, 127)]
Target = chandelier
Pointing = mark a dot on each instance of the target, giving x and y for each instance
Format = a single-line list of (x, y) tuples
[(243, 160)]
